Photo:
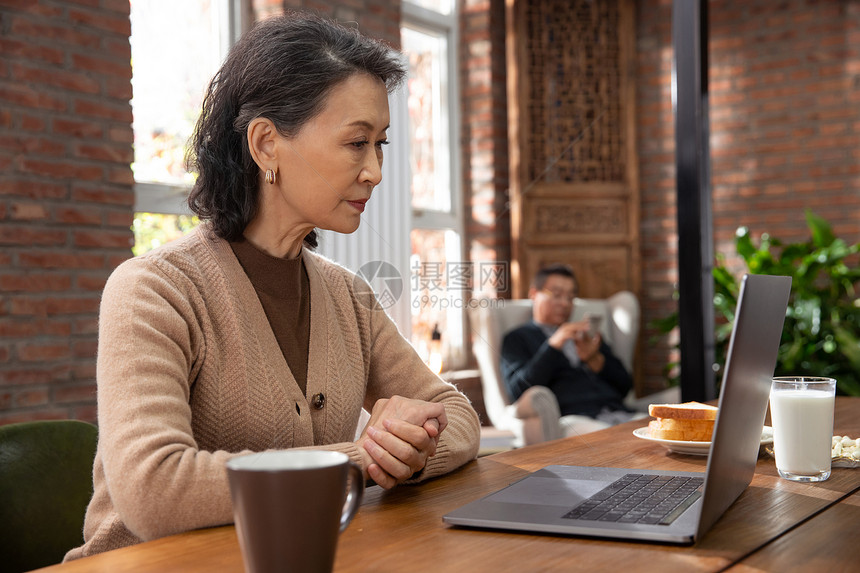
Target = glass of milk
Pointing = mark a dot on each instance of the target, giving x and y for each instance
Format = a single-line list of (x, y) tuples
[(801, 411)]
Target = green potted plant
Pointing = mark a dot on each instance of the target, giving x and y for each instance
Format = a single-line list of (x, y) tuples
[(821, 335)]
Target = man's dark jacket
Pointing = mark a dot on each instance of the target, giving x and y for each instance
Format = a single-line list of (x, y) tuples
[(528, 360)]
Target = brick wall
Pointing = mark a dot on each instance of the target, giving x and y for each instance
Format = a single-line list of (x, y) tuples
[(656, 148), (376, 18), (65, 196), (785, 89), (484, 135)]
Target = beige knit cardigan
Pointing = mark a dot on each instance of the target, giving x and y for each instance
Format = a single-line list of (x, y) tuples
[(190, 375)]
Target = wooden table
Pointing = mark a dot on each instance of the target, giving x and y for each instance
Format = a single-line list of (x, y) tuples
[(775, 524)]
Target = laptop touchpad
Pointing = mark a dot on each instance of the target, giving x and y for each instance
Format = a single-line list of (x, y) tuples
[(554, 491)]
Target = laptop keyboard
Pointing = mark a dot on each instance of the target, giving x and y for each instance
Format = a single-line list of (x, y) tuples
[(640, 498)]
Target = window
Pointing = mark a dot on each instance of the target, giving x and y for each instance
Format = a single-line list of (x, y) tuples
[(176, 48), (441, 279)]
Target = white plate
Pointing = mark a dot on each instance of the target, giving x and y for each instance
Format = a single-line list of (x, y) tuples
[(844, 462), (694, 448)]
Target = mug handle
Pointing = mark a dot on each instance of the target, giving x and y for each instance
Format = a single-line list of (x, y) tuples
[(353, 496)]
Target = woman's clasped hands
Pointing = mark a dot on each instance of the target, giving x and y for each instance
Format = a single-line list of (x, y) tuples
[(399, 438)]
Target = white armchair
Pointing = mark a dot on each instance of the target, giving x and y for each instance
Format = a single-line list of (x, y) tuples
[(535, 417)]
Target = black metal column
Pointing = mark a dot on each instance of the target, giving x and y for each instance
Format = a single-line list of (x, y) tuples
[(695, 228)]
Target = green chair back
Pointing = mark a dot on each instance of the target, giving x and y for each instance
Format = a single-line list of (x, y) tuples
[(46, 482)]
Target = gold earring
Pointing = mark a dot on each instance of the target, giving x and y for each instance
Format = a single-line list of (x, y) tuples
[(270, 177)]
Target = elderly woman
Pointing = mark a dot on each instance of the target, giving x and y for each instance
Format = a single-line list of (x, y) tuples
[(238, 338)]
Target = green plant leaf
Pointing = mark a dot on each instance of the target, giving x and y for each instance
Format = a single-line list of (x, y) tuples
[(849, 345), (743, 244), (822, 233), (821, 333)]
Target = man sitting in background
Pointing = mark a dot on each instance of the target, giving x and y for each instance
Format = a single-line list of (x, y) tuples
[(566, 357)]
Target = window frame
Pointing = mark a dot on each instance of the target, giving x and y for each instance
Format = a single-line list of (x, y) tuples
[(446, 25), (167, 198)]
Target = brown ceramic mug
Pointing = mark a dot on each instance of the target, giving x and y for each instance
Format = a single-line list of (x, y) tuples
[(291, 505)]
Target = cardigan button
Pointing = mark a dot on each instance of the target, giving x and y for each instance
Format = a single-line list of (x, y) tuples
[(318, 401)]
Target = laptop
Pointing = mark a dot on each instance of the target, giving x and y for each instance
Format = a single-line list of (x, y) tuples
[(572, 500)]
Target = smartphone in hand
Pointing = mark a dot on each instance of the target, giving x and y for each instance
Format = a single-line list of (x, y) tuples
[(594, 322)]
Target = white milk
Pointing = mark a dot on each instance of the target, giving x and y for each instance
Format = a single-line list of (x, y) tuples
[(802, 430)]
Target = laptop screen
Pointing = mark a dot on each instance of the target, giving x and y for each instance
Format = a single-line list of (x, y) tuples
[(744, 393)]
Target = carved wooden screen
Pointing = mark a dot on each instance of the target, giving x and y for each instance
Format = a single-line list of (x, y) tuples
[(574, 190)]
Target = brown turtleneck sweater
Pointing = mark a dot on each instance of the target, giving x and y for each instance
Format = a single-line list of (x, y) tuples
[(284, 291)]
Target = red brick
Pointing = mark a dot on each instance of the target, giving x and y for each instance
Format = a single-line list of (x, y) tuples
[(85, 348), (39, 29), (77, 128), (120, 219), (35, 352), (121, 6), (85, 3), (101, 239), (87, 413), (117, 47), (106, 152), (27, 212), (10, 235), (5, 161), (116, 260), (10, 47), (34, 282), (121, 176), (112, 196), (59, 260), (58, 328), (118, 88), (32, 145), (27, 398), (27, 306), (18, 329), (33, 415), (78, 215), (34, 375), (77, 305), (121, 134), (78, 393), (77, 82), (101, 66), (62, 169), (84, 371), (103, 109), (91, 283), (33, 190), (27, 97), (32, 123), (115, 23), (31, 7), (86, 326)]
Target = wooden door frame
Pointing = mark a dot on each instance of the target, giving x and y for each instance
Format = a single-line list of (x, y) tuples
[(518, 125)]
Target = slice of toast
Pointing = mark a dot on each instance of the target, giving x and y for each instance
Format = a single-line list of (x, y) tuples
[(685, 411), (684, 430)]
